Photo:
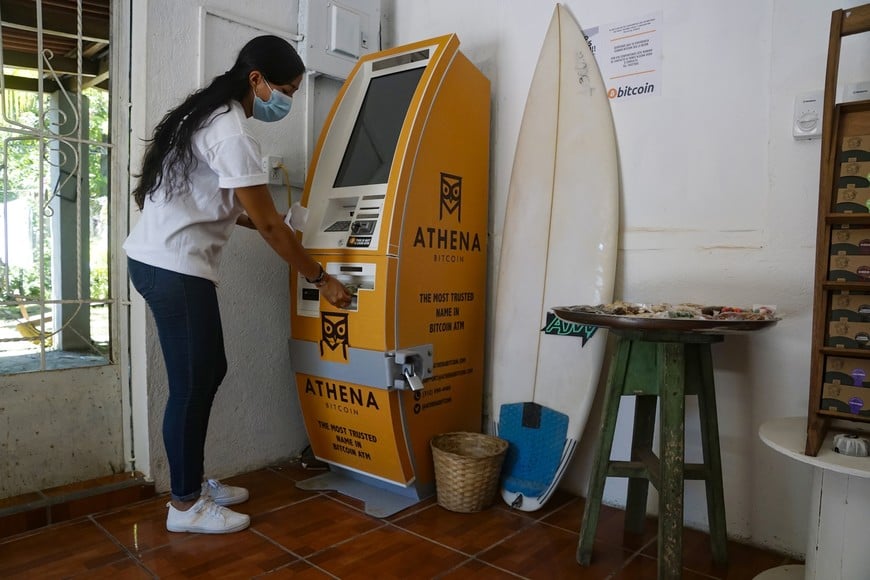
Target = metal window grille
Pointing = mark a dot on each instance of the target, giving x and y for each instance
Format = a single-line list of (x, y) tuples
[(54, 184)]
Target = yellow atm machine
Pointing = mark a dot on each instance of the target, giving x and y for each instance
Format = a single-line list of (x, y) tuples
[(397, 199)]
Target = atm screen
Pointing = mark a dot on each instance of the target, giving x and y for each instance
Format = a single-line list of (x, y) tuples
[(369, 154)]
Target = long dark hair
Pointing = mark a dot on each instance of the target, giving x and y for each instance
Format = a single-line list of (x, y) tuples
[(169, 155)]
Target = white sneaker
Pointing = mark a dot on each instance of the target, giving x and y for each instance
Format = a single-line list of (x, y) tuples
[(206, 517), (223, 494)]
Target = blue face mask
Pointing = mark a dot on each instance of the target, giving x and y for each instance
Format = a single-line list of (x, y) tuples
[(275, 109)]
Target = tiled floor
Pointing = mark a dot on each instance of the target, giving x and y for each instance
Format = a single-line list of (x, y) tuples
[(303, 534)]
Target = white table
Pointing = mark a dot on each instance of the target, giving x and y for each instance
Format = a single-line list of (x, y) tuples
[(839, 510)]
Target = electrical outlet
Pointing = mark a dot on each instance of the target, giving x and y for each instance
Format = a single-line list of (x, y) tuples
[(272, 165)]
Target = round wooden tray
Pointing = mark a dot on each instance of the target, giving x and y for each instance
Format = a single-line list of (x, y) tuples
[(627, 322)]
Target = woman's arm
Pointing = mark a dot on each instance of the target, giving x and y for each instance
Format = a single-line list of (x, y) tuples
[(261, 211), (244, 221)]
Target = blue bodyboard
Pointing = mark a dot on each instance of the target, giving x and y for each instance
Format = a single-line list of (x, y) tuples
[(537, 436)]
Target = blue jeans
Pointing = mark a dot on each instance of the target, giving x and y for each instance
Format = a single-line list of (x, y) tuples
[(188, 320)]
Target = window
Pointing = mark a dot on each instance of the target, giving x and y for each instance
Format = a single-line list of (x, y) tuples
[(54, 176)]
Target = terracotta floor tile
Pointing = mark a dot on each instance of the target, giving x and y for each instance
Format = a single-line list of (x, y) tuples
[(56, 551), (543, 551), (423, 505), (353, 502), (556, 502), (23, 521), (268, 491), (78, 507), (568, 516), (611, 525), (643, 568), (469, 533), (477, 570), (312, 525), (297, 570), (116, 479), (128, 569), (338, 540), (239, 555), (743, 561), (611, 529), (387, 552), (140, 527), (361, 506)]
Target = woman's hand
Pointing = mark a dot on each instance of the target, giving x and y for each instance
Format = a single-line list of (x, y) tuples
[(335, 292)]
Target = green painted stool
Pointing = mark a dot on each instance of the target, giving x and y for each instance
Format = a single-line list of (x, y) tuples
[(656, 365)]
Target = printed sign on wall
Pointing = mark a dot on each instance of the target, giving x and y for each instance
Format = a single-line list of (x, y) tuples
[(629, 56)]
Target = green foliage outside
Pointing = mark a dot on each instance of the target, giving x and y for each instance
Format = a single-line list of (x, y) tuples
[(21, 180)]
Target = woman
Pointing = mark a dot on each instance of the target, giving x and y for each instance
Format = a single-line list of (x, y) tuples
[(201, 175)]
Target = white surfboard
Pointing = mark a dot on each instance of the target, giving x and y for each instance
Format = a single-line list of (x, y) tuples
[(558, 249)]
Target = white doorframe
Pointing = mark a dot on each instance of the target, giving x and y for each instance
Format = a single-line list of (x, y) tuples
[(130, 24)]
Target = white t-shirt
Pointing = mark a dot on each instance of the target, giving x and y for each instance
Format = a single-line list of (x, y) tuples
[(187, 233)]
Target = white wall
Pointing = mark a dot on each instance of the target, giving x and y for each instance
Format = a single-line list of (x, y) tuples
[(718, 204)]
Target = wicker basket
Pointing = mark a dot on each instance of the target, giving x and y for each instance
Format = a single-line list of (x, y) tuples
[(467, 469)]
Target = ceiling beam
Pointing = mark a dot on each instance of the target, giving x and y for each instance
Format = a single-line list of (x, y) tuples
[(54, 23), (98, 79), (61, 65), (23, 84)]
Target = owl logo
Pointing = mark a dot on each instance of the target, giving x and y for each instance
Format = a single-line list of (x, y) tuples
[(333, 327), (451, 196)]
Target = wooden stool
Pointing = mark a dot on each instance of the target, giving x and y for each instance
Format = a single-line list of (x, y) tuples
[(651, 364)]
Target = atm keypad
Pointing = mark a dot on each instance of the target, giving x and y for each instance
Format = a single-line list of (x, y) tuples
[(340, 226)]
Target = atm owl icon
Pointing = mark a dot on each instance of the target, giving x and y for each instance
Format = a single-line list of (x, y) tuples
[(451, 196), (333, 335)]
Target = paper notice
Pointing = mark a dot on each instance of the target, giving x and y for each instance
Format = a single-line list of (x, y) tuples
[(629, 56)]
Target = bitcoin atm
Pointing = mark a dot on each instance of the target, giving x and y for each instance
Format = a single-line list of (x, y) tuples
[(397, 200)]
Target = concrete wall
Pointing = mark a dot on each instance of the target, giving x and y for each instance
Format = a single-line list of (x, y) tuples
[(718, 204), (59, 427)]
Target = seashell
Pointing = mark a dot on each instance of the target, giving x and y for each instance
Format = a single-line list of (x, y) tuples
[(854, 445)]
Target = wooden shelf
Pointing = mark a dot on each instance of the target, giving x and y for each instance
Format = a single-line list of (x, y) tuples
[(842, 251), (845, 352), (854, 219), (843, 416)]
